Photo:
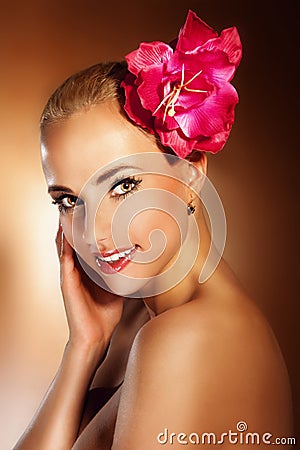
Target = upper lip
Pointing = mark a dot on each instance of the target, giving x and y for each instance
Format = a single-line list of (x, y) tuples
[(117, 250), (114, 252)]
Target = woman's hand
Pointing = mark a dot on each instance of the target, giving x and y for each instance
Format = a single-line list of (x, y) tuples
[(92, 312), (92, 315)]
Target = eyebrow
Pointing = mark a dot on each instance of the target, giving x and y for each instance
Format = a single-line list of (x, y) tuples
[(112, 172), (103, 177), (56, 187)]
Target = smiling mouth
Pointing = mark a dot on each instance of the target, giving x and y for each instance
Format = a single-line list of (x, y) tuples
[(112, 262)]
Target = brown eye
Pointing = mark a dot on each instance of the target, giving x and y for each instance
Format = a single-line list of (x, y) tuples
[(125, 187), (68, 202)]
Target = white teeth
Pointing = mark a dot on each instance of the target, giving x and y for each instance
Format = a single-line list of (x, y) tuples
[(116, 256)]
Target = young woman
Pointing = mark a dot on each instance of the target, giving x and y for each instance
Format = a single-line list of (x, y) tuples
[(155, 356)]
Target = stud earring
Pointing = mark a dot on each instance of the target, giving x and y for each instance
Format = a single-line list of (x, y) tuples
[(190, 208)]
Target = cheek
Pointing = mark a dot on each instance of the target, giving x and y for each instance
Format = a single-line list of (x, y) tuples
[(146, 222)]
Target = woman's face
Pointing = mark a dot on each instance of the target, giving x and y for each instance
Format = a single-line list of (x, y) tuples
[(99, 161)]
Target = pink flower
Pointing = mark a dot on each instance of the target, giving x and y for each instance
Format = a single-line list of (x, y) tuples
[(184, 94)]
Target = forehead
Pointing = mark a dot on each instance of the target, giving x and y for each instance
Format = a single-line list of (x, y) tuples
[(89, 140)]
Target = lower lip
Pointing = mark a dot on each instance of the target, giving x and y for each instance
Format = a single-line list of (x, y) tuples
[(115, 266)]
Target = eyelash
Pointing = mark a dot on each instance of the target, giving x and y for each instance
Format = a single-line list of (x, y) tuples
[(134, 182), (63, 209)]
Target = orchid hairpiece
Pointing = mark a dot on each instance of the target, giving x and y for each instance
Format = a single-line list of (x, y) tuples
[(182, 92)]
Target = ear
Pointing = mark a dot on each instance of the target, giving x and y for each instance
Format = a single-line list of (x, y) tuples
[(198, 170)]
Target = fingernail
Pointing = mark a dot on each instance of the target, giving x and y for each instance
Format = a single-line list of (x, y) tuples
[(61, 244)]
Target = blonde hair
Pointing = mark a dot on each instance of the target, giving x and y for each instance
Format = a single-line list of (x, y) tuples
[(84, 89), (89, 87)]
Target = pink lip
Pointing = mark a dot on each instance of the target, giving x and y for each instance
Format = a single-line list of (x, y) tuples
[(112, 252), (114, 266)]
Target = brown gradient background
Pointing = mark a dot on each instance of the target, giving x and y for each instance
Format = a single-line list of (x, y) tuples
[(42, 43)]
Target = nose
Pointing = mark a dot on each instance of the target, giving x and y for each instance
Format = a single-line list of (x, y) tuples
[(96, 229), (88, 234)]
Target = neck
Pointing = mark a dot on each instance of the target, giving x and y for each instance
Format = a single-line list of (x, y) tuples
[(189, 288)]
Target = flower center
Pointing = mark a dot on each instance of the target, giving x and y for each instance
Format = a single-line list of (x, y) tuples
[(169, 101)]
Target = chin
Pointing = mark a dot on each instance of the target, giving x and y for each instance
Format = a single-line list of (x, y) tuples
[(117, 283), (126, 286)]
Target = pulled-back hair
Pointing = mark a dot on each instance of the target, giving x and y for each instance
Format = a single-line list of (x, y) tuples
[(89, 87), (84, 89)]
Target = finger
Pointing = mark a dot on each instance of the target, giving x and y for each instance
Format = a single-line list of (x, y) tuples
[(66, 263), (66, 249), (59, 240)]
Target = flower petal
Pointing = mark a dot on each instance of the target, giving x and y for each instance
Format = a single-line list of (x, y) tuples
[(177, 141), (194, 33), (151, 88), (147, 54), (231, 44), (215, 114), (164, 122), (133, 106), (214, 65), (214, 143)]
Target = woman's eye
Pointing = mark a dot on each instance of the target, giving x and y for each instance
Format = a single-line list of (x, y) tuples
[(66, 203), (125, 187)]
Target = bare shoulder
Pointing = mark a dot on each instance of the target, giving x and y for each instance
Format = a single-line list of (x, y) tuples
[(207, 364), (231, 326)]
